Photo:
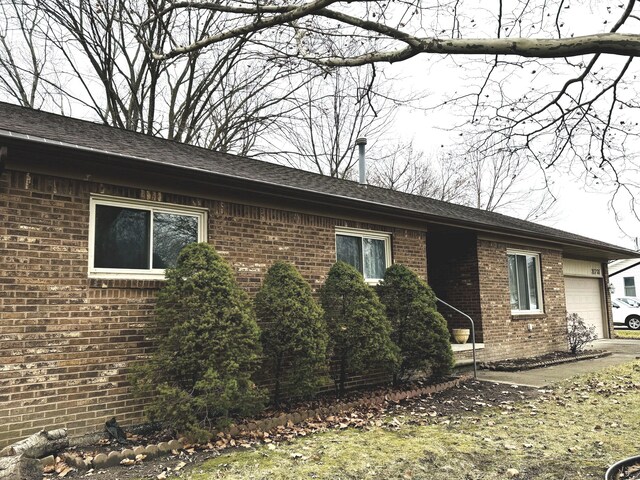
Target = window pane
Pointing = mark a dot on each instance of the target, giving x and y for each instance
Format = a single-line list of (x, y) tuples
[(532, 273), (513, 283), (121, 238), (349, 250), (629, 287), (374, 258), (171, 233), (523, 284)]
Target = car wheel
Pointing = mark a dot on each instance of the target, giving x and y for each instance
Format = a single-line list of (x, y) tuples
[(633, 323)]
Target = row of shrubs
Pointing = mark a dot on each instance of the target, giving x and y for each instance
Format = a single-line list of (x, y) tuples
[(209, 347)]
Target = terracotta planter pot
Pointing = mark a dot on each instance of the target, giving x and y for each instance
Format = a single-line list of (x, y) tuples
[(461, 335)]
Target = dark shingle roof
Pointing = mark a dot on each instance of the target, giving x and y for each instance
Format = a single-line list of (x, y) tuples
[(19, 122)]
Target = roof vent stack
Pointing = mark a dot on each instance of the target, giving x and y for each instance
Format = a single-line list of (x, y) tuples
[(361, 142)]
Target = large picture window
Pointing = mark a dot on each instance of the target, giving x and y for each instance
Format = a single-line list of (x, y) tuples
[(140, 239), (368, 252), (524, 282)]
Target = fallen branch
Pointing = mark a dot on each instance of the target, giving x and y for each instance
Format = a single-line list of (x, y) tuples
[(19, 468), (38, 445)]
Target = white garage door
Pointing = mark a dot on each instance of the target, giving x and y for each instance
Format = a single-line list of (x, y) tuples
[(584, 298)]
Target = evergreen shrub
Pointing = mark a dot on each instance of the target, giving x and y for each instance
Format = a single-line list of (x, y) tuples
[(419, 331), (207, 347), (294, 335), (359, 332)]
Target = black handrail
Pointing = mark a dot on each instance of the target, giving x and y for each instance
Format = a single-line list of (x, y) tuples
[(473, 333)]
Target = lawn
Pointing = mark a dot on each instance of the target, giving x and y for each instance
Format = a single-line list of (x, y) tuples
[(628, 334), (571, 432)]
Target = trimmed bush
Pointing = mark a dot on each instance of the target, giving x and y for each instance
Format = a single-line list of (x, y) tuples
[(359, 332), (419, 331), (294, 335), (579, 334), (208, 346)]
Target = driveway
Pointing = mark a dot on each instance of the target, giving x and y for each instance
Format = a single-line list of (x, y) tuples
[(622, 351)]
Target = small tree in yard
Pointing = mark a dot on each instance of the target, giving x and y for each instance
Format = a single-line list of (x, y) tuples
[(208, 346), (294, 335), (359, 332), (418, 330), (578, 333)]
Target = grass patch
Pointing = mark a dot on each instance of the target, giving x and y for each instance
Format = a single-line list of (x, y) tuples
[(628, 334), (572, 432)]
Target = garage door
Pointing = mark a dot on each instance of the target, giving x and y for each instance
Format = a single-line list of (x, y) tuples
[(584, 298)]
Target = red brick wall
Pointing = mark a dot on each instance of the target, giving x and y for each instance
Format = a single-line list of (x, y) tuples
[(66, 341), (507, 336)]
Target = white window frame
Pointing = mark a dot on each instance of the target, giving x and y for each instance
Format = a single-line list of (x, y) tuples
[(529, 253), (149, 206), (372, 234)]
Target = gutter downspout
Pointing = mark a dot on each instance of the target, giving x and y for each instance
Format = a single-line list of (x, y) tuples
[(473, 334)]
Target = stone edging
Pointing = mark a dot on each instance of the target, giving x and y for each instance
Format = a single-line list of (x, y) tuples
[(129, 456), (531, 366)]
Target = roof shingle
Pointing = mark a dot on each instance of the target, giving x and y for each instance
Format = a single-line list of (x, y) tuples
[(21, 122)]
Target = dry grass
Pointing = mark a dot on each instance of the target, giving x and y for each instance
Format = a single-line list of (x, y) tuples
[(628, 334), (572, 432)]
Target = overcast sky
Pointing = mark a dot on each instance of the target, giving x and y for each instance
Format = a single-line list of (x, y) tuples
[(578, 209)]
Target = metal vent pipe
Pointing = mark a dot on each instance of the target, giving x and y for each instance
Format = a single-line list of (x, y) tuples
[(362, 163)]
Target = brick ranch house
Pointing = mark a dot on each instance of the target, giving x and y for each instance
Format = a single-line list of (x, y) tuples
[(91, 216)]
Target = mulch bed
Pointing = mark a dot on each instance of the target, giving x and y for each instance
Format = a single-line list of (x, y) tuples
[(467, 397), (554, 358)]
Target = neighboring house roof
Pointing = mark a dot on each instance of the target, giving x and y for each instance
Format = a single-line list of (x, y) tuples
[(619, 266), (22, 124)]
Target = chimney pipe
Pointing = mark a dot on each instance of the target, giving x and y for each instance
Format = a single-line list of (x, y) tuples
[(361, 142)]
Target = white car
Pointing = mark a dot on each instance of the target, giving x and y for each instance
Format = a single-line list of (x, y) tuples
[(629, 301), (625, 315)]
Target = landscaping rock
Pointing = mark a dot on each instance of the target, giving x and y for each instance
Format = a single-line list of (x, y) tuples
[(113, 459), (139, 450), (49, 460), (100, 461), (128, 453), (512, 472), (163, 447), (175, 445), (151, 451)]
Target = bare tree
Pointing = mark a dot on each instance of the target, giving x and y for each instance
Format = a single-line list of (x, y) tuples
[(557, 78), (405, 169), (222, 98), (497, 183), (327, 116), (21, 60)]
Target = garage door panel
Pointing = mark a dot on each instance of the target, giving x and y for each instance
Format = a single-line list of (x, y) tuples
[(583, 296)]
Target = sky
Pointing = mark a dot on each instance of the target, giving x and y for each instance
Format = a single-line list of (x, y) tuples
[(578, 209)]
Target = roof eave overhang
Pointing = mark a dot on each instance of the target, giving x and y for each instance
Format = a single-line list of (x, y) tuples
[(148, 165)]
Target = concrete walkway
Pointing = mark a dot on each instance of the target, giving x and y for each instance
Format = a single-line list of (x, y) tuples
[(622, 351)]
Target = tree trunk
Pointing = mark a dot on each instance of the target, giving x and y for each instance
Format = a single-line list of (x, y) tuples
[(38, 445), (20, 468)]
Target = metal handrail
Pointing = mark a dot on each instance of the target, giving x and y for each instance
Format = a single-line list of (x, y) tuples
[(473, 333)]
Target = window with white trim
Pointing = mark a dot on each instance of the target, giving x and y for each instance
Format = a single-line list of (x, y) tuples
[(369, 252), (525, 288), (139, 239)]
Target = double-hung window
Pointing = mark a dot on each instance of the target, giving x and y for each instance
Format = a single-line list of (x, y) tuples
[(138, 239), (629, 287), (369, 252), (525, 288)]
